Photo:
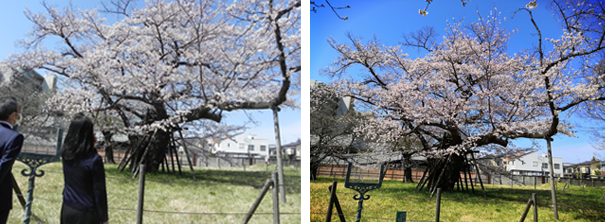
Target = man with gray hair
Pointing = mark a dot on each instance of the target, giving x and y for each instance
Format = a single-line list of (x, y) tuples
[(10, 147)]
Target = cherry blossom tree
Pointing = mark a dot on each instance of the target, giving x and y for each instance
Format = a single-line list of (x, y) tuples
[(468, 92), (331, 132), (169, 63)]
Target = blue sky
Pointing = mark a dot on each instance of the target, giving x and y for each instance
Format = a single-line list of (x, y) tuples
[(388, 20), (15, 26)]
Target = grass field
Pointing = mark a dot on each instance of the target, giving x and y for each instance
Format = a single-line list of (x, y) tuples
[(503, 205), (168, 197)]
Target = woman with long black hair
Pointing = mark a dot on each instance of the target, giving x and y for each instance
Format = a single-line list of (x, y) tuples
[(84, 194)]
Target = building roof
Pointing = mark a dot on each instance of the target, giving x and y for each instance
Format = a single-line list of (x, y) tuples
[(291, 144), (586, 163)]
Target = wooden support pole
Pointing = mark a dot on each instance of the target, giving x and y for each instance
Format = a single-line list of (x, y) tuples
[(470, 178), (533, 198), (17, 191), (258, 200), (427, 179), (187, 155), (563, 187), (336, 203), (423, 175), (141, 194), (274, 176), (438, 207), (465, 181), (440, 175), (479, 174), (331, 201), (526, 210), (458, 182)]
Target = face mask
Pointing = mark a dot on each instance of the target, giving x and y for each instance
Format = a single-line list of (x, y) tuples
[(18, 121)]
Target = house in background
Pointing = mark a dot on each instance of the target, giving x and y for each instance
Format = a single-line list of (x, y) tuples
[(533, 164), (241, 146), (292, 150), (588, 167), (569, 170)]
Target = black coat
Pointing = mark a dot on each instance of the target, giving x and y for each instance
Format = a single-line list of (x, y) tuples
[(10, 147), (85, 188)]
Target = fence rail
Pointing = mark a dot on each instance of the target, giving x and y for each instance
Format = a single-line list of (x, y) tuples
[(135, 210), (351, 213), (486, 178)]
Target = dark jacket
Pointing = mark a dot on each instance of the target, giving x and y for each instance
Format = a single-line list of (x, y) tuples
[(85, 185), (10, 147)]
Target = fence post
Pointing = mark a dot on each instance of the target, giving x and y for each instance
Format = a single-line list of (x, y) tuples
[(534, 182), (533, 198), (141, 193), (438, 208), (275, 198)]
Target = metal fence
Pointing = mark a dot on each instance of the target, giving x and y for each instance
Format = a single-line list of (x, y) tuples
[(493, 179)]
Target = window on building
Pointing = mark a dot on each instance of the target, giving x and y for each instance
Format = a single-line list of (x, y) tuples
[(241, 145), (557, 166), (263, 148), (535, 164), (250, 147), (545, 165), (228, 145)]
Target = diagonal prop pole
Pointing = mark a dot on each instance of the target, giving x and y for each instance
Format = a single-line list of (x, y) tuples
[(18, 192), (269, 183), (479, 174)]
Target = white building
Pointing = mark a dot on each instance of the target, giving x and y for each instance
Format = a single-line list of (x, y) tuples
[(241, 145), (344, 104), (533, 164)]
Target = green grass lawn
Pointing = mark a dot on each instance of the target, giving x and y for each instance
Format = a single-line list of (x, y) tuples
[(503, 205), (168, 197)]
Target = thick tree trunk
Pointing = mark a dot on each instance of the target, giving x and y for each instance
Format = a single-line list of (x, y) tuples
[(108, 147), (407, 169), (444, 172), (153, 148), (314, 169)]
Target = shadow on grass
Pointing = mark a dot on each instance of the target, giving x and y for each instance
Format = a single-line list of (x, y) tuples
[(575, 203), (255, 179)]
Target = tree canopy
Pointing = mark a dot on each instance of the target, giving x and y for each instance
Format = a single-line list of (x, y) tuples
[(170, 62)]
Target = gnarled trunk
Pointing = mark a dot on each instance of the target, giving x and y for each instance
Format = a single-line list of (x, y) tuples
[(108, 147), (151, 150), (444, 172), (407, 169)]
